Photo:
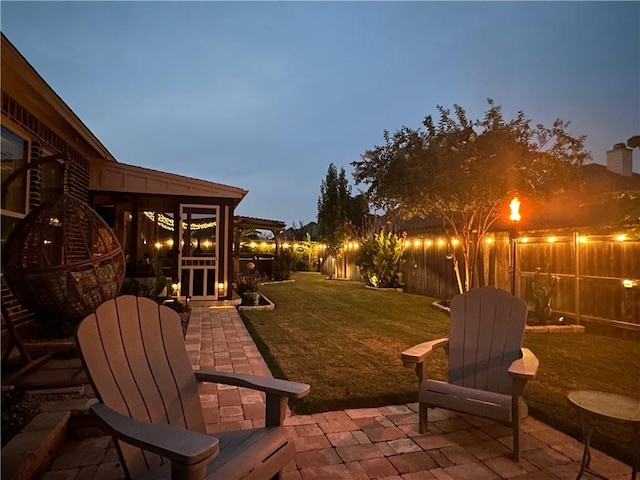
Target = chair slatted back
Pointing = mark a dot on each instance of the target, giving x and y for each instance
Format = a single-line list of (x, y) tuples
[(486, 331), (134, 353)]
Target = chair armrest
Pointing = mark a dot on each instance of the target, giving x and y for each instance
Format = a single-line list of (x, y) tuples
[(273, 386), (416, 354), (178, 444), (525, 367)]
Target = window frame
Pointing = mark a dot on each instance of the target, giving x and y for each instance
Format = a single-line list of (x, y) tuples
[(45, 152), (20, 132)]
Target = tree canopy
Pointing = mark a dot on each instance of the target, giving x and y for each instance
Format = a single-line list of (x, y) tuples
[(466, 171)]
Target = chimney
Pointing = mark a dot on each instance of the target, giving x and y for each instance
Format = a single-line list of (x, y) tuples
[(620, 160)]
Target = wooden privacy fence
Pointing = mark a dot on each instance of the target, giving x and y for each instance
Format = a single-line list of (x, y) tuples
[(599, 275)]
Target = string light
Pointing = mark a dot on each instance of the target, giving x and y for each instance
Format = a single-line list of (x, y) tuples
[(167, 222)]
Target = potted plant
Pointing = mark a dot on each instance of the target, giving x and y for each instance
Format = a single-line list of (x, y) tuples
[(248, 284)]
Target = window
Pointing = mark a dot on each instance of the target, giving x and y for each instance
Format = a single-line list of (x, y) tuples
[(14, 154), (52, 178)]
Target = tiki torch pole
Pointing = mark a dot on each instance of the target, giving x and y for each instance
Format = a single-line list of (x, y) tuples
[(513, 237)]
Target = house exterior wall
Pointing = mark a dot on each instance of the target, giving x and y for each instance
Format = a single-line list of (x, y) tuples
[(125, 204), (76, 177), (620, 160), (38, 118), (40, 136)]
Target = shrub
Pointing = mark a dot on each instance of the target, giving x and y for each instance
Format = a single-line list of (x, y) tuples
[(148, 287), (380, 258), (544, 286), (283, 264), (176, 305)]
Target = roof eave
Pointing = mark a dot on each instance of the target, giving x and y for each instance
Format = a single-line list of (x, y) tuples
[(120, 177), (22, 82)]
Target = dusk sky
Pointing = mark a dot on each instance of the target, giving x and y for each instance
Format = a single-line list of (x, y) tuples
[(265, 95)]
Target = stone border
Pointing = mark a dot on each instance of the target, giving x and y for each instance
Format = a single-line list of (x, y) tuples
[(555, 328), (28, 454), (270, 305), (442, 308), (389, 289), (276, 282)]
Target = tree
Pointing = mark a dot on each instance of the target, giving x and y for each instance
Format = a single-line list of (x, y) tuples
[(357, 211), (298, 231), (465, 172), (333, 204)]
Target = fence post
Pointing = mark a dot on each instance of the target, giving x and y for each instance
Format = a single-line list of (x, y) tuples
[(576, 249)]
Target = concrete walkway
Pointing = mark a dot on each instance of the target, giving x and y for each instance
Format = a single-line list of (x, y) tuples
[(381, 443)]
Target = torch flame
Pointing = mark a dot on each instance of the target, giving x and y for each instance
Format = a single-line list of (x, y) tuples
[(515, 210)]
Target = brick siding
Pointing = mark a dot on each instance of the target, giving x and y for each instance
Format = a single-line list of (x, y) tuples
[(77, 171), (76, 184)]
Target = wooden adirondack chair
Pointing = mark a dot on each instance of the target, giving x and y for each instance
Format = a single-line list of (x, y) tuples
[(488, 369), (134, 354)]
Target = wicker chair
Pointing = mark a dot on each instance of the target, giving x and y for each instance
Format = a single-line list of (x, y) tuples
[(63, 259)]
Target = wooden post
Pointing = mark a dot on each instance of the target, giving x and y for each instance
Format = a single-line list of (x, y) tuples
[(516, 392), (576, 248), (421, 370), (514, 250), (175, 251), (134, 232)]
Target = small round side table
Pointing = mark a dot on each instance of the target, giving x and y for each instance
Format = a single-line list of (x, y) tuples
[(594, 407)]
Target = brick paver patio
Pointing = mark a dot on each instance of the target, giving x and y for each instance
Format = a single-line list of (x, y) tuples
[(362, 444)]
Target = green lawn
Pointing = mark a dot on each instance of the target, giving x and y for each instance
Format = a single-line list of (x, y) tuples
[(345, 341)]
